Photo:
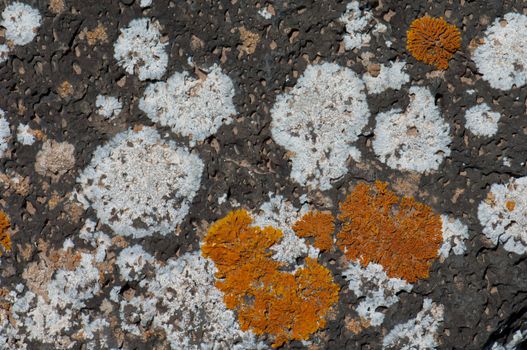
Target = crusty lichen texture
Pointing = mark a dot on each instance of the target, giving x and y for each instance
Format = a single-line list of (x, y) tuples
[(287, 306), (5, 237), (502, 56), (318, 121), (433, 41), (319, 226), (399, 233), (140, 184), (503, 215)]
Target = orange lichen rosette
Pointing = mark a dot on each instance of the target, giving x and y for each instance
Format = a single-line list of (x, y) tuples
[(285, 305), (399, 233), (433, 41)]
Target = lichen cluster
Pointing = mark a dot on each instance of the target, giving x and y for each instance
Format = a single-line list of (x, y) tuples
[(287, 306), (319, 226), (433, 41), (399, 233), (5, 237)]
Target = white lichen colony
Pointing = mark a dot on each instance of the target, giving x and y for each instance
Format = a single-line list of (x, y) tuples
[(193, 107), (5, 133), (21, 23), (358, 26), (454, 235), (181, 300), (60, 307), (389, 77), (417, 139), (418, 333), (502, 58), (281, 214), (108, 106), (503, 215), (139, 50), (24, 135), (375, 289), (517, 339), (318, 122), (481, 120), (139, 184)]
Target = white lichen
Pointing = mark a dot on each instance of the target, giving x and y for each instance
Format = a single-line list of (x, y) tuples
[(481, 120), (454, 235), (502, 58), (24, 135), (318, 122), (139, 50), (193, 107), (181, 299), (4, 52), (503, 215), (358, 26), (417, 139), (517, 339), (264, 12), (389, 77), (420, 333), (281, 214), (375, 289), (5, 133), (145, 3), (132, 260), (108, 106), (139, 184), (21, 23)]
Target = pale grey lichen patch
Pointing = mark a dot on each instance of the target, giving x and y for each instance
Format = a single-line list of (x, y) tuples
[(55, 159), (24, 135), (389, 77), (502, 58), (139, 184), (281, 214), (193, 107), (108, 106), (358, 26), (139, 50), (318, 122), (181, 300), (131, 261), (517, 339), (481, 120), (417, 139), (454, 235), (21, 22), (503, 215), (375, 290), (420, 332), (5, 133), (4, 52)]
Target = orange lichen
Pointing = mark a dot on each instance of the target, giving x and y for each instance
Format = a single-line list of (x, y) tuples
[(5, 238), (399, 233), (285, 305), (433, 41), (319, 226), (510, 205)]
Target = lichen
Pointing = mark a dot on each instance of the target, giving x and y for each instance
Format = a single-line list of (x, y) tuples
[(5, 237), (319, 226), (399, 233), (433, 41), (288, 306)]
